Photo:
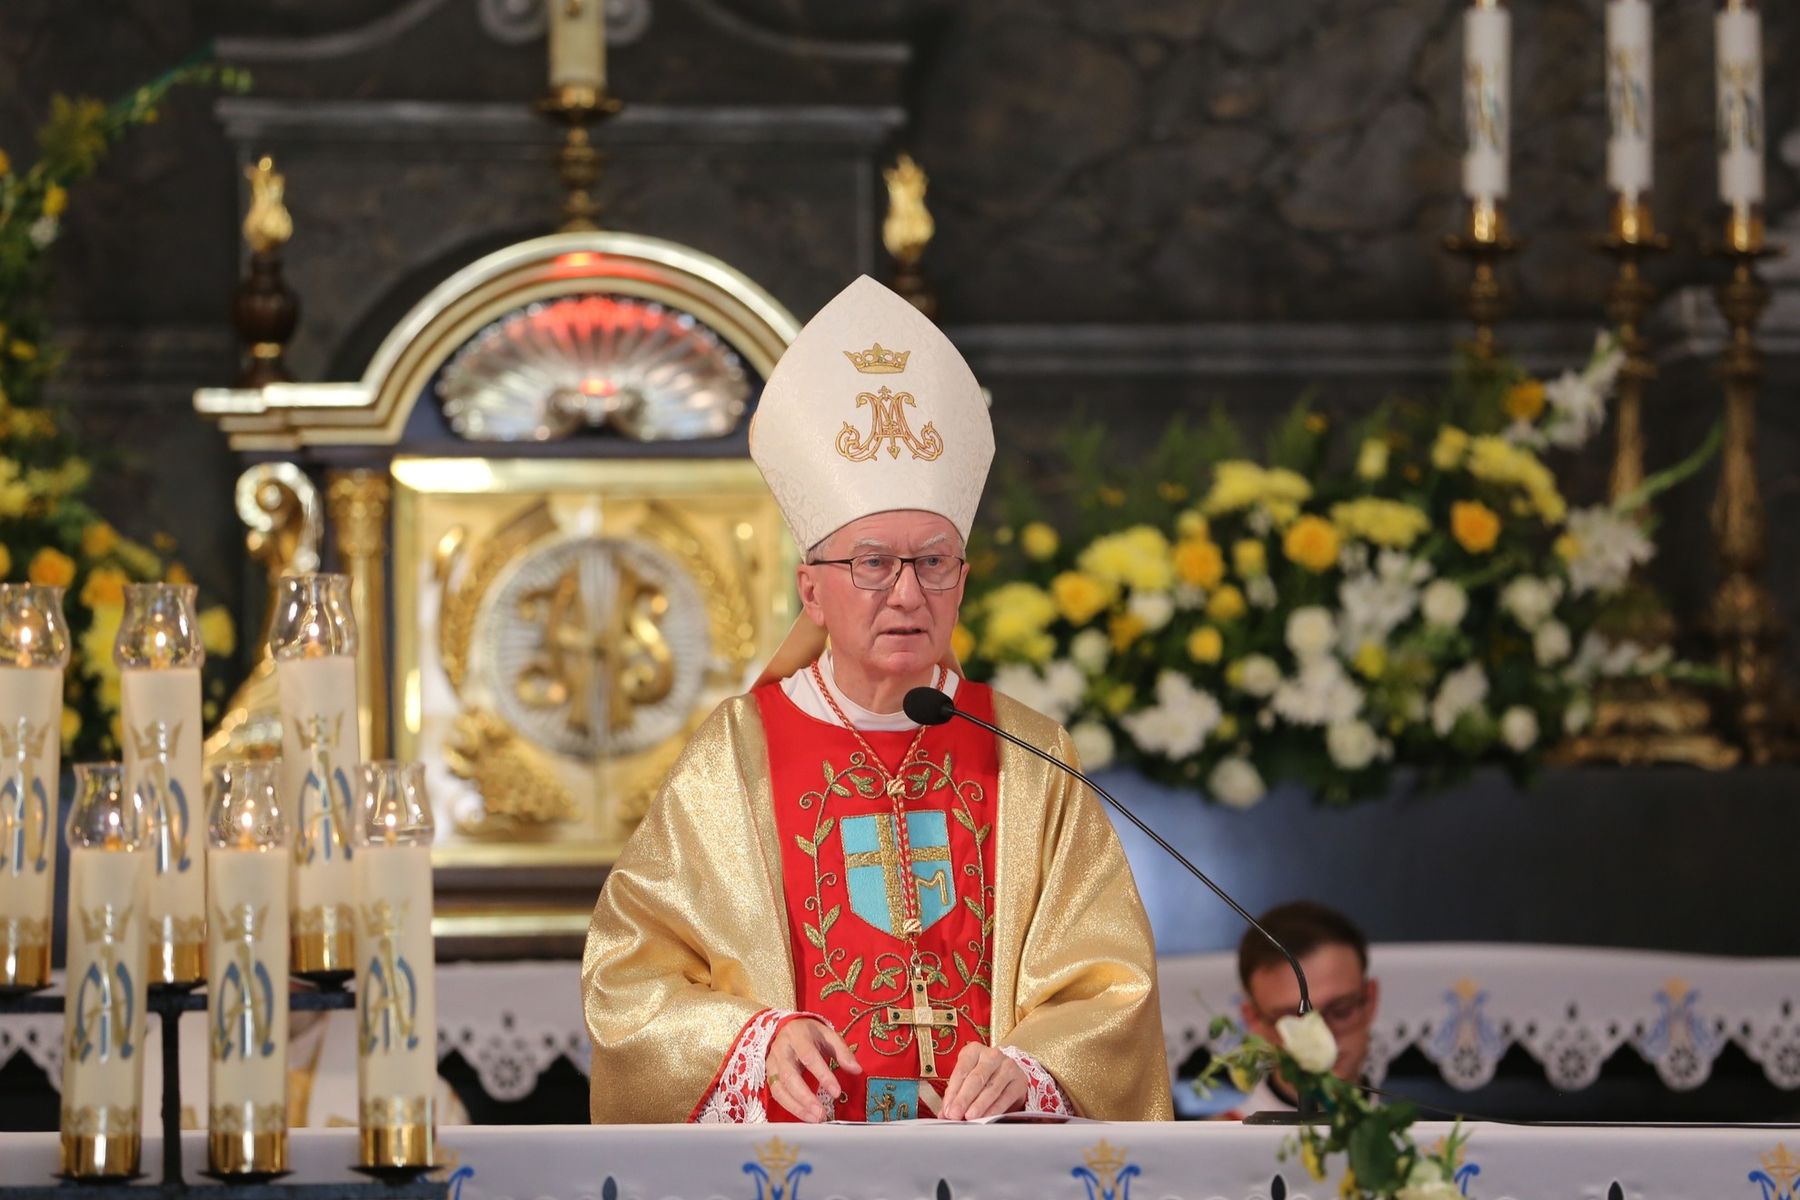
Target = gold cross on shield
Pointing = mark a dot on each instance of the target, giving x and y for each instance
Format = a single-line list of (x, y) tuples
[(924, 1021)]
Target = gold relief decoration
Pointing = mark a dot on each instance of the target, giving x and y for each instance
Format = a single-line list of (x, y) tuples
[(878, 360), (517, 792), (25, 931), (267, 226), (100, 1120), (247, 1118), (387, 1112), (908, 227), (324, 919)]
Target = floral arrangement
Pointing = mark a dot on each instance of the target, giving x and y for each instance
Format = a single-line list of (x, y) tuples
[(1422, 595), (1382, 1159), (49, 533)]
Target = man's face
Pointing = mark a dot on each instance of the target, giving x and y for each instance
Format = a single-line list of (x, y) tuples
[(1341, 993), (901, 630)]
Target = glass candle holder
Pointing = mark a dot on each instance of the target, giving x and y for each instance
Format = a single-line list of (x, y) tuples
[(313, 640), (103, 1015), (396, 996), (159, 655), (34, 650), (246, 983)]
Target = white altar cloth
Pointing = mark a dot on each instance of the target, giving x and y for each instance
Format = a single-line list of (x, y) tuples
[(928, 1161)]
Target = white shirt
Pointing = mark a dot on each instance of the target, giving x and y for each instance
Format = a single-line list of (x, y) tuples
[(803, 690)]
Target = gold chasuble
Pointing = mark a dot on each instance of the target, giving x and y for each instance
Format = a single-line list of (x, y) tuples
[(749, 892)]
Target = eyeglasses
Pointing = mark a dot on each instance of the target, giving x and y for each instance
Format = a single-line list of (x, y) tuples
[(879, 572), (1342, 1013)]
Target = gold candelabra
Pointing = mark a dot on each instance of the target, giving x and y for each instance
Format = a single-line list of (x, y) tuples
[(1485, 243), (1641, 720), (577, 108), (1742, 618)]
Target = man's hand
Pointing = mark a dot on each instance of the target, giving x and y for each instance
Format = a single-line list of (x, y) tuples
[(803, 1048), (986, 1082)]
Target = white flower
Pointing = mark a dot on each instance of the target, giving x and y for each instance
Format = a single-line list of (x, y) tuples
[(42, 231), (1550, 643), (1258, 675), (1180, 721), (1427, 1182), (1056, 692), (1462, 690), (1320, 694), (1065, 683), (1311, 632), (1351, 744), (1599, 656), (1260, 592), (1235, 781), (1090, 649), (1376, 603), (1607, 547), (1608, 358), (1154, 609), (1519, 728), (1524, 433), (1444, 603), (1188, 597), (1577, 715), (1530, 600), (1309, 1040), (1577, 408), (1093, 744)]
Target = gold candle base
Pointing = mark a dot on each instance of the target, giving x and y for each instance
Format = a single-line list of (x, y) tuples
[(100, 1155), (247, 1153), (23, 964), (178, 964), (323, 950), (1485, 243), (398, 1146)]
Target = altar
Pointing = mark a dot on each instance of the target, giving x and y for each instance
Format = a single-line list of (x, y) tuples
[(1078, 1161)]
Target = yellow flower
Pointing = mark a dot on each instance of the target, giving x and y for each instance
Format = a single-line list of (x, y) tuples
[(1118, 698), (1137, 557), (1309, 1158), (1124, 629), (23, 351), (52, 568), (1173, 493), (5, 163), (1039, 540), (1452, 443), (1226, 604), (1474, 525), (1495, 460), (1016, 616), (1249, 558), (1371, 660), (5, 561), (177, 574), (962, 642), (1372, 459), (1080, 597), (1524, 401), (1316, 422), (1238, 483), (1567, 547), (1313, 543), (1226, 730), (97, 652), (71, 724), (1190, 524), (1383, 522), (1347, 1189), (56, 199), (1198, 561), (105, 585), (219, 635), (98, 539), (1205, 645)]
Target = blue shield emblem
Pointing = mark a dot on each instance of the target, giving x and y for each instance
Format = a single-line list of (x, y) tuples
[(872, 868)]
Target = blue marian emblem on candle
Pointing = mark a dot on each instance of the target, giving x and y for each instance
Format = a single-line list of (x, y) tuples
[(164, 800), (105, 1010), (324, 793), (24, 804), (390, 998), (244, 1010)]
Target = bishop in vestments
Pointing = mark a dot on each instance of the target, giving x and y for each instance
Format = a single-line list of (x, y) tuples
[(830, 912)]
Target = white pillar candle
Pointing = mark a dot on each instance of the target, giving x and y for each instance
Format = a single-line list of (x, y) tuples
[(396, 993), (247, 955), (1629, 98), (103, 1011), (1487, 100), (577, 43), (34, 649), (1738, 40)]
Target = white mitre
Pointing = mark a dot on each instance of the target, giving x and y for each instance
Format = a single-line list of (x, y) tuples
[(870, 409)]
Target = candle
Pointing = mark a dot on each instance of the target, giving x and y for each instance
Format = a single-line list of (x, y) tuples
[(34, 649), (159, 655), (1629, 105), (577, 43), (1738, 41), (396, 996), (246, 983), (313, 639), (103, 1012), (1487, 59)]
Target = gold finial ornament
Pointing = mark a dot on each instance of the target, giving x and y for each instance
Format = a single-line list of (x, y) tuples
[(907, 230), (267, 226)]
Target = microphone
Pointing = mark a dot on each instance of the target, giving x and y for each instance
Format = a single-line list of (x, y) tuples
[(928, 706)]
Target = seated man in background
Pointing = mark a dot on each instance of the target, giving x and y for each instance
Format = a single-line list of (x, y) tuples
[(1335, 956)]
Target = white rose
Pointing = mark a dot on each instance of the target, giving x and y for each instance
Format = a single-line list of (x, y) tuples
[(1093, 743), (1462, 691), (1261, 592), (1235, 782), (1551, 643), (1090, 649), (1311, 632), (1530, 600), (1152, 608), (1444, 603), (42, 231), (1352, 744), (1259, 676), (1427, 1182), (1309, 1040), (1519, 728), (1577, 716)]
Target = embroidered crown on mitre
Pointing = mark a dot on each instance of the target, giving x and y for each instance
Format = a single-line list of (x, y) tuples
[(871, 409)]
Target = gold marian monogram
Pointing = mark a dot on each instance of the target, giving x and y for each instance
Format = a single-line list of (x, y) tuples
[(629, 644), (389, 995), (244, 1009), (323, 828), (888, 412), (25, 821), (105, 1004)]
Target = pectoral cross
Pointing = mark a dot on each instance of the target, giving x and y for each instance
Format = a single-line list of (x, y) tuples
[(924, 1020)]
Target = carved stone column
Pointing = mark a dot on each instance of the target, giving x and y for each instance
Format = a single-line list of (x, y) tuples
[(358, 500)]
